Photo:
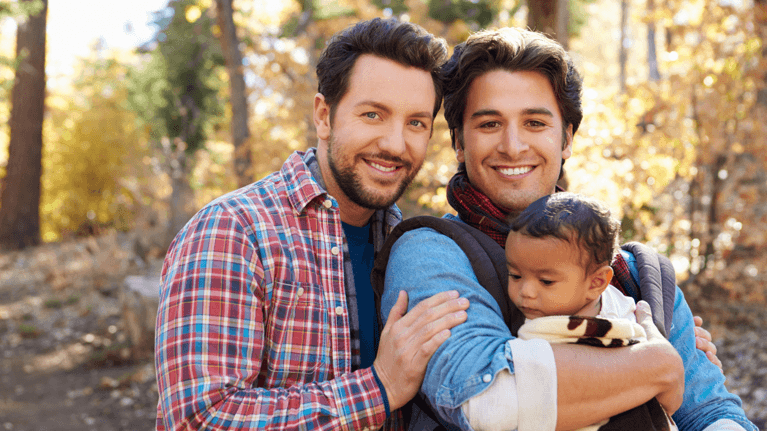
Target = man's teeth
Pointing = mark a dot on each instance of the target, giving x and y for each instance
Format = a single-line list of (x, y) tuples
[(516, 171), (383, 168)]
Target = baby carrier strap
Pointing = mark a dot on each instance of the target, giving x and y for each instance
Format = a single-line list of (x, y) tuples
[(488, 260), (657, 283)]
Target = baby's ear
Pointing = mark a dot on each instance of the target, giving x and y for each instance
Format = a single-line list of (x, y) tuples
[(600, 279)]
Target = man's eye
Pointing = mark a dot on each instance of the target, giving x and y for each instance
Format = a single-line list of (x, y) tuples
[(417, 123), (371, 115), (536, 123), (490, 125)]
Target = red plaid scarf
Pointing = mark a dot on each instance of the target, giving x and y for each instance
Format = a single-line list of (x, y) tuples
[(477, 210)]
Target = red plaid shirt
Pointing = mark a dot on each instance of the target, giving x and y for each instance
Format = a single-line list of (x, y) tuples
[(253, 325)]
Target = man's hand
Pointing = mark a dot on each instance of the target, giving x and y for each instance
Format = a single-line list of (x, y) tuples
[(671, 397), (409, 340), (704, 342)]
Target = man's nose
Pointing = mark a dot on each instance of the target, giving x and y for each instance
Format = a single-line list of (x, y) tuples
[(393, 141), (512, 143)]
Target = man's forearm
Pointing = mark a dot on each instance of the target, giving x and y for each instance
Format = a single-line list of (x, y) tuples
[(312, 405), (594, 384)]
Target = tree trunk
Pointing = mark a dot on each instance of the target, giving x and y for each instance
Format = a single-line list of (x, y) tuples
[(623, 49), (238, 97), (549, 17), (181, 196), (652, 55), (20, 201), (760, 18)]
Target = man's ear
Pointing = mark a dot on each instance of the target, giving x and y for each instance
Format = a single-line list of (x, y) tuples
[(567, 145), (599, 280), (458, 136), (321, 117)]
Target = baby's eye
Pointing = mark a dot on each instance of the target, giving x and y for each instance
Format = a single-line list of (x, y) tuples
[(547, 282), (514, 276)]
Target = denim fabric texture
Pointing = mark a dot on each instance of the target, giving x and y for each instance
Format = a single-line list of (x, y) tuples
[(424, 262)]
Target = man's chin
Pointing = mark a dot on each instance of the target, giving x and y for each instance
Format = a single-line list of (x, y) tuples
[(375, 200), (377, 203)]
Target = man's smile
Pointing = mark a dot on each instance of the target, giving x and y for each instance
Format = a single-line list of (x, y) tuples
[(515, 171)]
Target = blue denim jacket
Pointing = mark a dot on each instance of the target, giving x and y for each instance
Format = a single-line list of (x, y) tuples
[(424, 262)]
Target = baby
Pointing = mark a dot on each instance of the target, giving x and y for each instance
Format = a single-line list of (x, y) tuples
[(558, 254)]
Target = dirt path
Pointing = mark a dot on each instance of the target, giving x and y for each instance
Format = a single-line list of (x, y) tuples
[(79, 399), (65, 363)]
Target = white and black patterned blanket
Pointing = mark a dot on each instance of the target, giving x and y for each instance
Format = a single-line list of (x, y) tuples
[(600, 332)]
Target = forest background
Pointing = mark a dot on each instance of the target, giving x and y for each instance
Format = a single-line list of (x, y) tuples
[(132, 143)]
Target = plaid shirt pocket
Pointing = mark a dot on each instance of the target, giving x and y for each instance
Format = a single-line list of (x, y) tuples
[(297, 332)]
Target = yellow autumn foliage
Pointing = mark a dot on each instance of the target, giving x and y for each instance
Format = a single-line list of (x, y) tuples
[(91, 145)]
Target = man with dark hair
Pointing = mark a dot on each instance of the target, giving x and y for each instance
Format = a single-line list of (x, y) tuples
[(512, 102), (266, 317)]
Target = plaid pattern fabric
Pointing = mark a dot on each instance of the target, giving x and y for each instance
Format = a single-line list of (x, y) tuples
[(476, 209), (622, 278), (382, 223), (253, 328)]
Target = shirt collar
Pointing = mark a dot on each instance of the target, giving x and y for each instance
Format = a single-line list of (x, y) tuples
[(303, 186)]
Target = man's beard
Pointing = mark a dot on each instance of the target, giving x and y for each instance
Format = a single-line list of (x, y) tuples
[(351, 184)]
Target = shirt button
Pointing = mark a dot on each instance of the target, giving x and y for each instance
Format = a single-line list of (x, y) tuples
[(327, 204), (339, 310), (300, 291), (486, 378), (335, 250)]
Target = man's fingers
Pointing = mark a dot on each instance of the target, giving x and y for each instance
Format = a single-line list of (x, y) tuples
[(714, 359), (704, 342), (703, 333), (431, 345), (410, 338), (431, 321), (399, 309), (434, 308)]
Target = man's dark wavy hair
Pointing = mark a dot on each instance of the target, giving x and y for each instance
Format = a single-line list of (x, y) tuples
[(577, 219), (406, 43), (512, 50)]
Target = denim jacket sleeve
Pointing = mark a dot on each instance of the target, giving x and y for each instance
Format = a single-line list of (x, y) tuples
[(423, 263), (706, 398)]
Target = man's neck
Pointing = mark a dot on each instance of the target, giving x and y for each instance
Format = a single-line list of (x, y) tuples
[(353, 214)]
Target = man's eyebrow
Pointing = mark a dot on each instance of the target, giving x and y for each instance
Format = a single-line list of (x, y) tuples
[(386, 109), (538, 111), (374, 104), (484, 112), (528, 111)]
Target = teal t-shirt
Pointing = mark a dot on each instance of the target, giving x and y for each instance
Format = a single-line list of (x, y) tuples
[(362, 254)]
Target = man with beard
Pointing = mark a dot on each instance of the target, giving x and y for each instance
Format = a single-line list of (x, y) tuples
[(266, 317), (513, 103)]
